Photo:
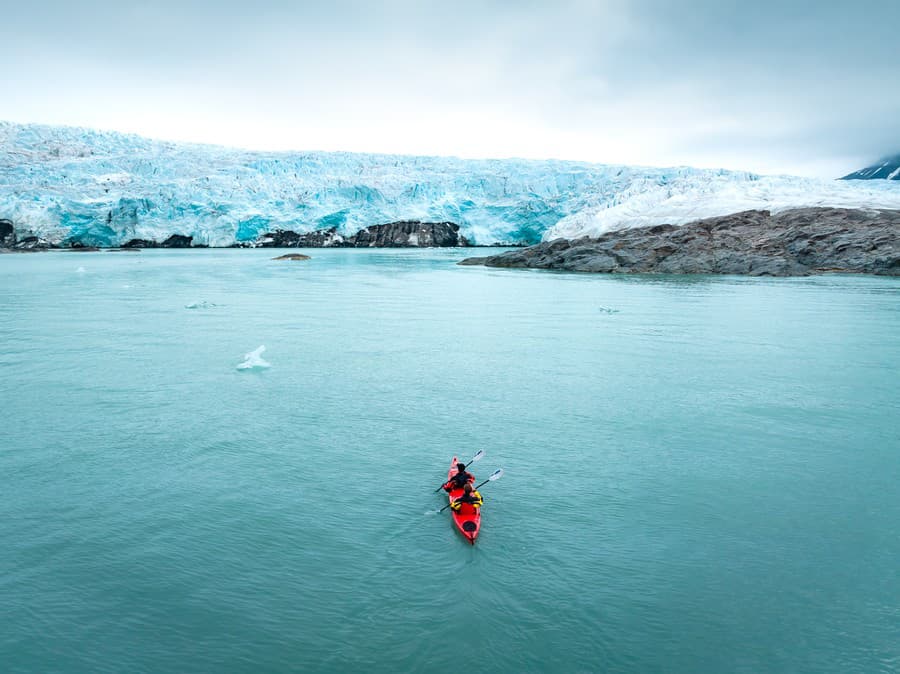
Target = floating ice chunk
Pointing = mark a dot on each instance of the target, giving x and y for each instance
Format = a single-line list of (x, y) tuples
[(202, 304), (254, 360), (80, 270)]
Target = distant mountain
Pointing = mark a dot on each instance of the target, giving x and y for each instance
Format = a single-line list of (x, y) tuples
[(886, 169)]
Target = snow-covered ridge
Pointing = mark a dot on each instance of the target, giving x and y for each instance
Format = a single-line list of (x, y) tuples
[(103, 188), (886, 169)]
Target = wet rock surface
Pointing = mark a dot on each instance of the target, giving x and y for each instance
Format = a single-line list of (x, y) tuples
[(796, 242), (409, 234), (174, 241), (178, 241), (405, 234), (140, 243), (292, 256), (321, 238)]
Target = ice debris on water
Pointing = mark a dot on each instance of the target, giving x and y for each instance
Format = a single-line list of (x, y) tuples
[(202, 304), (254, 360), (80, 270)]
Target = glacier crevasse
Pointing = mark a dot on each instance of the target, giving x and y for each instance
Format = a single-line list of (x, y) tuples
[(104, 188)]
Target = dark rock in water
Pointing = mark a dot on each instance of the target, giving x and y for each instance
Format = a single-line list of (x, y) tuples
[(123, 250), (140, 243), (178, 241), (793, 243), (7, 234), (410, 234), (79, 247), (473, 261), (292, 256)]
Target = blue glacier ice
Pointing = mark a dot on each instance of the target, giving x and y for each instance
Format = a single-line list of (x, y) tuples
[(105, 188)]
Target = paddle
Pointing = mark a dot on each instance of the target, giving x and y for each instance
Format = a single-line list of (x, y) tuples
[(496, 475), (478, 456)]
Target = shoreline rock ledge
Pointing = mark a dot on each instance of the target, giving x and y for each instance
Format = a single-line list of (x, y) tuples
[(797, 242)]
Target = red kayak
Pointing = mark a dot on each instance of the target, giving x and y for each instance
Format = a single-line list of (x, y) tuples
[(468, 525)]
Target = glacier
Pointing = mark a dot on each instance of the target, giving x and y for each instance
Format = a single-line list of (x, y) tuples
[(69, 185)]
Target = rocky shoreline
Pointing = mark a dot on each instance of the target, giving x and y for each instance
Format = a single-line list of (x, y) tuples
[(403, 234), (796, 242)]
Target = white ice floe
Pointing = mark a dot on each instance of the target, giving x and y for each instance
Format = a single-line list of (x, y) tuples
[(254, 360)]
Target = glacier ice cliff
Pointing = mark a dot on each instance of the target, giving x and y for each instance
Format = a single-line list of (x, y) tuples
[(70, 185)]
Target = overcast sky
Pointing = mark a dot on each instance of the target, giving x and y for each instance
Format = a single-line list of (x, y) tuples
[(786, 86)]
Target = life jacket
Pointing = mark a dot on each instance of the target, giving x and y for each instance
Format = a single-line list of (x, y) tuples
[(468, 504)]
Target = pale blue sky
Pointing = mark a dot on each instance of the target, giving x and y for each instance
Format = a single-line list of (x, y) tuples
[(795, 87)]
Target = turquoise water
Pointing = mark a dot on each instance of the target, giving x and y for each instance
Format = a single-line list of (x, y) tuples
[(701, 474)]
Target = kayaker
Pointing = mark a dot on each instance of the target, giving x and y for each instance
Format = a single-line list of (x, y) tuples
[(459, 480), (469, 502)]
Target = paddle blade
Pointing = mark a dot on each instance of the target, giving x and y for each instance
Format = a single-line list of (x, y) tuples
[(496, 475)]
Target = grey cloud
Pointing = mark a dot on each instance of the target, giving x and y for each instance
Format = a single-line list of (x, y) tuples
[(774, 83)]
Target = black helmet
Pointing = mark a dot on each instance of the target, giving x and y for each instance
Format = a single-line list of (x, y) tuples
[(460, 467)]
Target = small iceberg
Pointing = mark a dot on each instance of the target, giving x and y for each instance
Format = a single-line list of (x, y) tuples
[(254, 360), (202, 304), (80, 270)]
